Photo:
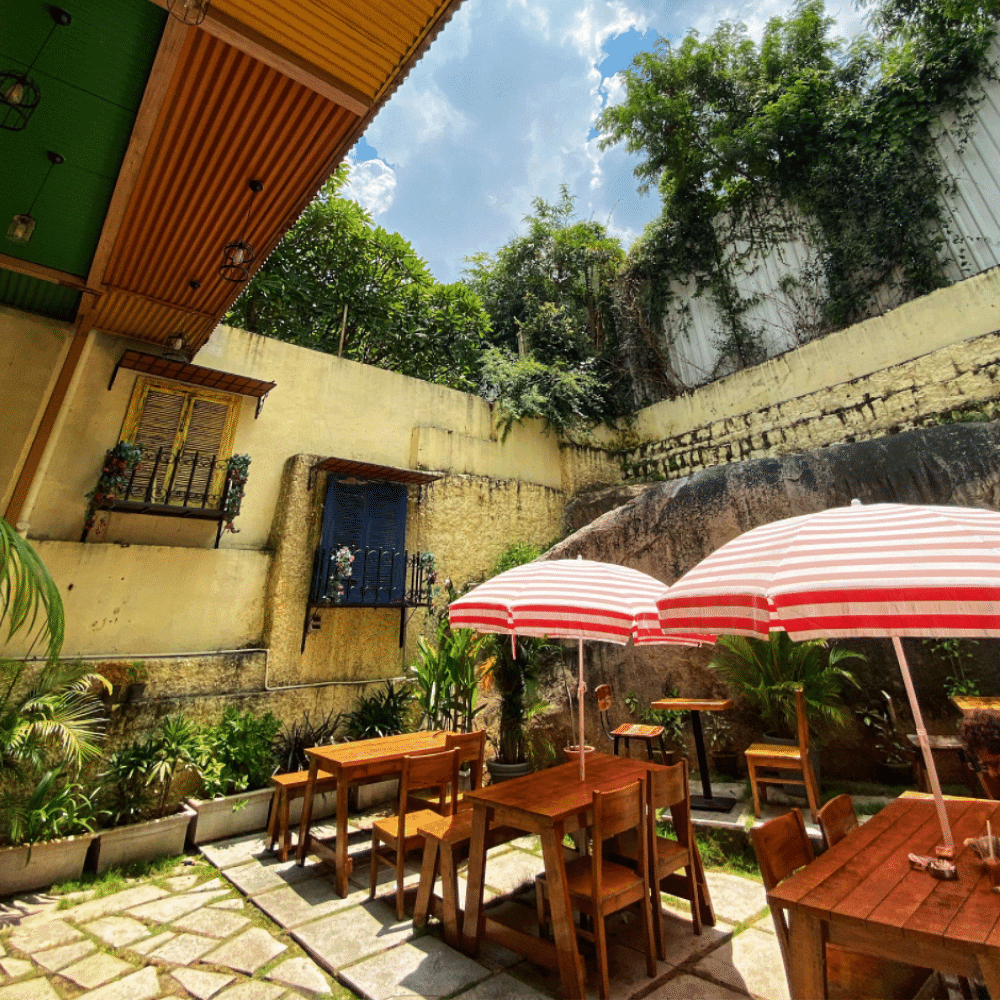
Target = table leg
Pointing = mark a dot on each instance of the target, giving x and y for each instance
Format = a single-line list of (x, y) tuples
[(706, 801), (990, 968), (340, 848), (307, 809), (807, 957), (472, 927), (571, 970)]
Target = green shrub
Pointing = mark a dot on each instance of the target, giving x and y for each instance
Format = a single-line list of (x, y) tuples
[(238, 754)]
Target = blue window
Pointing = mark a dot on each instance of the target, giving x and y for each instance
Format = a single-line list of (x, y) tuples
[(369, 518)]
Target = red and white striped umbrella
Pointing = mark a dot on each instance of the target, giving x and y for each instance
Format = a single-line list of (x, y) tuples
[(571, 599), (864, 570)]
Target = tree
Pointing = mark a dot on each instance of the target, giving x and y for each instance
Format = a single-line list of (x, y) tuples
[(396, 317), (554, 345), (800, 136)]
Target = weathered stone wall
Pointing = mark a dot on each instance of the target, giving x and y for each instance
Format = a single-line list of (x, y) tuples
[(955, 382)]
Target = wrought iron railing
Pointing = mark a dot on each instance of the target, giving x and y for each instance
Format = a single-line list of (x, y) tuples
[(378, 578)]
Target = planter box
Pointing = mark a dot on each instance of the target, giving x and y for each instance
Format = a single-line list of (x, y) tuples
[(216, 819), (41, 865), (362, 797), (155, 838)]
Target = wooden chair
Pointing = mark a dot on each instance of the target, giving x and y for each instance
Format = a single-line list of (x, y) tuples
[(669, 789), (288, 788), (990, 786), (629, 731), (941, 746), (400, 832), (783, 846), (837, 819), (599, 887), (772, 756), (471, 749)]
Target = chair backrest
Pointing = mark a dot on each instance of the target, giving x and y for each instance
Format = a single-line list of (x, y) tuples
[(668, 786), (605, 699), (837, 819), (430, 770), (471, 749), (616, 812), (802, 721), (782, 846)]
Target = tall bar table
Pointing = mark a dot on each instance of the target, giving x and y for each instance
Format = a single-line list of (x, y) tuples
[(707, 802)]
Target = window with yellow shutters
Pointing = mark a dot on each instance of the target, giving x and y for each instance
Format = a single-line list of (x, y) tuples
[(186, 436)]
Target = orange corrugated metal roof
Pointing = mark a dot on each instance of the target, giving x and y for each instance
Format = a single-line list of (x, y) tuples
[(228, 118)]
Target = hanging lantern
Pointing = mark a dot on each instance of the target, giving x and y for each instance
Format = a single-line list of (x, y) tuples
[(188, 11), (238, 255), (23, 225), (19, 93), (178, 343)]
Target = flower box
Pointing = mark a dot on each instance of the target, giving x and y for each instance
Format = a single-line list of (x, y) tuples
[(154, 838), (216, 819), (40, 865)]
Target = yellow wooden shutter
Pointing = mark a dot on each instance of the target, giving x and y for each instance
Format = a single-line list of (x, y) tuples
[(201, 465), (157, 431)]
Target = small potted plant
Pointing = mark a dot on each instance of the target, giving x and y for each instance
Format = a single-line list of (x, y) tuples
[(719, 739), (136, 678), (895, 766)]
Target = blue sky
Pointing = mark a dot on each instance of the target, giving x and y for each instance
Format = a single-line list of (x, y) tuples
[(501, 111)]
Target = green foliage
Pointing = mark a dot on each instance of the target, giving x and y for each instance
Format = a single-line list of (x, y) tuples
[(672, 722), (237, 473), (765, 673), (890, 739), (291, 743), (397, 316), (30, 603), (384, 712), (119, 462), (958, 654), (54, 807), (554, 341), (795, 138), (446, 679), (237, 754)]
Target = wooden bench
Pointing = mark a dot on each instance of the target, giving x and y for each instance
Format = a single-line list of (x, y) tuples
[(288, 787)]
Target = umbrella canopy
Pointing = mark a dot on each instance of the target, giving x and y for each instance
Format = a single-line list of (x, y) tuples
[(864, 570), (570, 599)]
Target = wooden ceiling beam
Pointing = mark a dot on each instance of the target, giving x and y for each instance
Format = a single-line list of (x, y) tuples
[(269, 52), (157, 86), (44, 273)]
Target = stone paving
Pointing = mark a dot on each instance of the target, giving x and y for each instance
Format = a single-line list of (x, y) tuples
[(237, 924)]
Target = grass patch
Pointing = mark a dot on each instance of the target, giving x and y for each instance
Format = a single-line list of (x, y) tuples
[(114, 879)]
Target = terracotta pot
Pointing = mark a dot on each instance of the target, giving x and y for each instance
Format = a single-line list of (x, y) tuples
[(573, 753)]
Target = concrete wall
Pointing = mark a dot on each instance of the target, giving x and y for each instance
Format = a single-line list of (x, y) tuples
[(929, 357), (32, 350)]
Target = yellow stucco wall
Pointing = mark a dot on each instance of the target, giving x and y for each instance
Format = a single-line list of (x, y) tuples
[(32, 350), (931, 356)]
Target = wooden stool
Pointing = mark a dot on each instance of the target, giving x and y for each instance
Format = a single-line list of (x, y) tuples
[(288, 787)]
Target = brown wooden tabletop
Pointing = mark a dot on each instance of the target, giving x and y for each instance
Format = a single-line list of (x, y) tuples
[(360, 762), (966, 703), (863, 894), (693, 704)]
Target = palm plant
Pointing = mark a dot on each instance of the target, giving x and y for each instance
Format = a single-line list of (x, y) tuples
[(766, 673), (58, 713)]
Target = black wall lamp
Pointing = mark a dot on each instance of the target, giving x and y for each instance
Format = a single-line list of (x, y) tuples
[(22, 226), (238, 255), (178, 343), (19, 93), (188, 11)]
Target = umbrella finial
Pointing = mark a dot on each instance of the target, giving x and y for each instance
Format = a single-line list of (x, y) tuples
[(856, 503)]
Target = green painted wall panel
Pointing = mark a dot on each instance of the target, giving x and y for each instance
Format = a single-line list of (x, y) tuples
[(35, 296)]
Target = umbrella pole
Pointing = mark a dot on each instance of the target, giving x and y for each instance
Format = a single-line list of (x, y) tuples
[(581, 689), (932, 776)]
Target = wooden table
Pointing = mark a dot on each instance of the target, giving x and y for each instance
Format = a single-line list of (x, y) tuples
[(967, 703), (863, 895), (550, 803), (358, 763), (706, 801)]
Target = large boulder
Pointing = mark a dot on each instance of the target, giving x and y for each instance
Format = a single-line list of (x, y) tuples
[(669, 527)]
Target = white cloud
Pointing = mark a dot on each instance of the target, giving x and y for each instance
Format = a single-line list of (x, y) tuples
[(372, 184)]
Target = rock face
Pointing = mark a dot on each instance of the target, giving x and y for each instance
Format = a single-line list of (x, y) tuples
[(669, 527)]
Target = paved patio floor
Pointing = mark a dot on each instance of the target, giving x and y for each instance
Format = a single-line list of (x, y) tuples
[(236, 924)]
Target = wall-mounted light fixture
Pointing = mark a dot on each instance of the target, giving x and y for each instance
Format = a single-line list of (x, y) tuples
[(238, 255), (22, 226), (178, 343), (19, 93), (188, 11)]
